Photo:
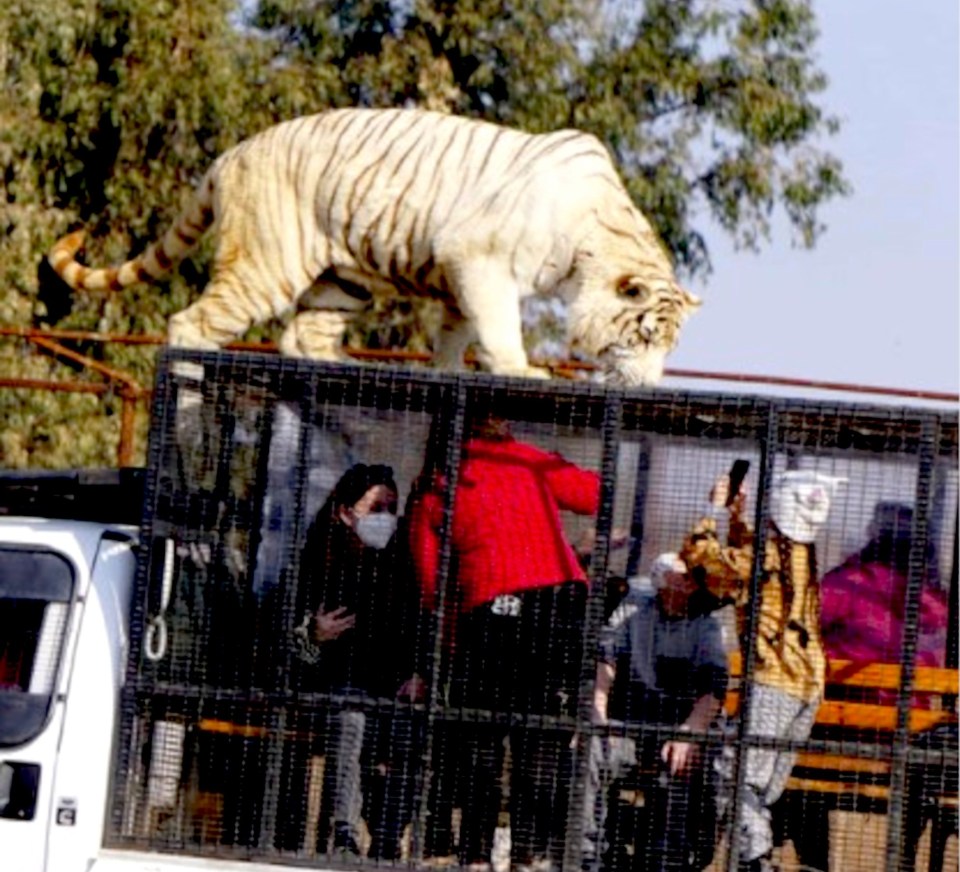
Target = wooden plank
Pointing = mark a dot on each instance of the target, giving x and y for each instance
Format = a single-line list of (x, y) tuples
[(812, 785), (886, 676), (883, 676), (228, 728), (840, 763), (869, 716), (863, 715)]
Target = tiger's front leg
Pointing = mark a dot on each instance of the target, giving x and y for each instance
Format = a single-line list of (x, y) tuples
[(452, 340), (490, 301)]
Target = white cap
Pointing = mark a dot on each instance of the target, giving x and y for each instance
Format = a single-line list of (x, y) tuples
[(666, 563), (800, 502)]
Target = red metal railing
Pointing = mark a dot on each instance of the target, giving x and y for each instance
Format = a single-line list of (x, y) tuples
[(131, 393)]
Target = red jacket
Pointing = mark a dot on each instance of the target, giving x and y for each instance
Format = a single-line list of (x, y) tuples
[(507, 533)]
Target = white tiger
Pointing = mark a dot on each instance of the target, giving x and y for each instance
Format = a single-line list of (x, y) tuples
[(322, 212)]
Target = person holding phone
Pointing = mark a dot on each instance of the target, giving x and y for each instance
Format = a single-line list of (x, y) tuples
[(788, 682), (358, 615)]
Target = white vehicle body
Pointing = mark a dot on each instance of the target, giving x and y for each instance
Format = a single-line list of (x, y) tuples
[(79, 662), (54, 785)]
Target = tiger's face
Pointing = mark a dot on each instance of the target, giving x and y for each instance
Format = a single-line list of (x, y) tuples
[(633, 331)]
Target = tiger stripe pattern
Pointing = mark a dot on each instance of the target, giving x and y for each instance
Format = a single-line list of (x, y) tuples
[(319, 214)]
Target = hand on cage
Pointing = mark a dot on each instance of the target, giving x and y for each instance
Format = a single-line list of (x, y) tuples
[(328, 626), (413, 689), (680, 757), (619, 537)]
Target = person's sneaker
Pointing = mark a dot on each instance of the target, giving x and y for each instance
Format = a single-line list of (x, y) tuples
[(344, 842), (444, 862), (538, 864), (389, 851), (760, 864)]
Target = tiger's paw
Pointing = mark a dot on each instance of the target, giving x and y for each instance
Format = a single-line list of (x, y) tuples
[(538, 372)]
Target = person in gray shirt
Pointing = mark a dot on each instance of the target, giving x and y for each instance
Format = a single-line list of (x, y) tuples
[(661, 662)]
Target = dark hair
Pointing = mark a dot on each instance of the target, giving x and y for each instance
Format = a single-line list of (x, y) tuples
[(892, 528), (326, 531), (353, 484), (357, 480), (324, 551), (479, 423), (485, 425)]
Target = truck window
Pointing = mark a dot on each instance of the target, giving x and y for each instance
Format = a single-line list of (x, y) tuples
[(36, 587)]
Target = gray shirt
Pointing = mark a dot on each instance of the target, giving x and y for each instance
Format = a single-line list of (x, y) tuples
[(664, 664)]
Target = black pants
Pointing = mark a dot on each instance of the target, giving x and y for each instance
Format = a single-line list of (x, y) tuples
[(517, 656), (926, 783), (674, 831), (394, 740), (370, 769)]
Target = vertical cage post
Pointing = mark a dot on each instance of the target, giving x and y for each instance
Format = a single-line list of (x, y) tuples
[(917, 569), (123, 783), (278, 723), (768, 446), (641, 484), (452, 413), (612, 424)]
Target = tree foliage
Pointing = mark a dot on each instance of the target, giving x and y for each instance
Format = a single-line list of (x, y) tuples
[(116, 107)]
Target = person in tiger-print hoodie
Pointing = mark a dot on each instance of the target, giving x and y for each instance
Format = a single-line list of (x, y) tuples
[(788, 682)]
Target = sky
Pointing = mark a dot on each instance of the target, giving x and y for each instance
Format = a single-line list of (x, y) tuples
[(877, 301)]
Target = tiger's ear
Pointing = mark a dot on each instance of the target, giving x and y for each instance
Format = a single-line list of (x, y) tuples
[(690, 301), (633, 288)]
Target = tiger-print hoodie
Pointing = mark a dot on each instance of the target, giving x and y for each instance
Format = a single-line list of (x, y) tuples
[(790, 654)]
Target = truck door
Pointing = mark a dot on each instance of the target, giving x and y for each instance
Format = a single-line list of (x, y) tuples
[(37, 588), (80, 785)]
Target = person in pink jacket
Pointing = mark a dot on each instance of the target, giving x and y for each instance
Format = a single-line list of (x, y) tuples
[(864, 598)]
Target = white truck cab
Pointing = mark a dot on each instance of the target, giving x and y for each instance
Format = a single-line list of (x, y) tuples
[(67, 574), (64, 599)]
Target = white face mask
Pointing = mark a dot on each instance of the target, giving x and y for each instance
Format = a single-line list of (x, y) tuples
[(376, 529)]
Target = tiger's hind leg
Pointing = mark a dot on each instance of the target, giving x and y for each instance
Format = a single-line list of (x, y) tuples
[(317, 335), (222, 314), (207, 325), (317, 330), (225, 311)]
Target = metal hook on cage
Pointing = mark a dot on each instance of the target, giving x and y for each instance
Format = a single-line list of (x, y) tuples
[(155, 641)]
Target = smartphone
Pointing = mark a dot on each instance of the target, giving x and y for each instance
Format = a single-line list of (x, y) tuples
[(738, 472)]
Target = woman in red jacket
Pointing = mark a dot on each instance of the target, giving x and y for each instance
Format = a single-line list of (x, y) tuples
[(517, 596)]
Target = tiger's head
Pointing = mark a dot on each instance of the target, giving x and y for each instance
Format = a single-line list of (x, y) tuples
[(632, 331)]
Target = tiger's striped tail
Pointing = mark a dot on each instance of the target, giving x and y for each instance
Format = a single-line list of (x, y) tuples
[(154, 263)]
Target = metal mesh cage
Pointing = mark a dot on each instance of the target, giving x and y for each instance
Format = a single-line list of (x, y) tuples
[(375, 607)]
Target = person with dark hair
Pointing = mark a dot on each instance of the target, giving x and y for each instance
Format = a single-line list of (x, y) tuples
[(356, 637), (516, 605), (864, 598), (661, 662)]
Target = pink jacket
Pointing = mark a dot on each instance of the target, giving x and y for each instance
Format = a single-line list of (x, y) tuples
[(862, 615)]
